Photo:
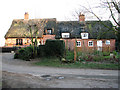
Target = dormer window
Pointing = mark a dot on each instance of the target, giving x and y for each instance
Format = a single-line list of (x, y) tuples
[(48, 31), (84, 35), (65, 35)]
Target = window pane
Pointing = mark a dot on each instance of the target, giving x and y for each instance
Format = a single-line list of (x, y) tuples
[(78, 43), (49, 31), (90, 43), (65, 35), (107, 42), (16, 41)]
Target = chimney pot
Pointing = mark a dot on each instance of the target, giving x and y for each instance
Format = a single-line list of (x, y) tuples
[(26, 16), (81, 17)]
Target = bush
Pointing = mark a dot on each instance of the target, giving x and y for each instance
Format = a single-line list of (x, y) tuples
[(54, 48), (41, 51), (114, 52), (24, 53), (51, 48), (69, 55), (98, 58), (106, 53)]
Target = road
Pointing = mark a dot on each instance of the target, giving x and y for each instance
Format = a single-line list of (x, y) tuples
[(24, 72)]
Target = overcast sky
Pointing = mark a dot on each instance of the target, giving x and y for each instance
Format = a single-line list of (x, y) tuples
[(62, 10)]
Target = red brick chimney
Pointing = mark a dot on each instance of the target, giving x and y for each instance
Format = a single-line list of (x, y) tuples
[(26, 16), (81, 17)]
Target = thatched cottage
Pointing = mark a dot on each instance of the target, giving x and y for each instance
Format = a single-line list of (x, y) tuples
[(85, 35)]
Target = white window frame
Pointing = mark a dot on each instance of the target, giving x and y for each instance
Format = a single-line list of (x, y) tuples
[(84, 35), (89, 44), (78, 45), (106, 42), (65, 35)]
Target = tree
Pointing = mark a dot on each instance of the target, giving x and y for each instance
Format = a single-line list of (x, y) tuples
[(34, 28)]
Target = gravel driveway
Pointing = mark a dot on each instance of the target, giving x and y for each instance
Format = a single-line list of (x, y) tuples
[(23, 74)]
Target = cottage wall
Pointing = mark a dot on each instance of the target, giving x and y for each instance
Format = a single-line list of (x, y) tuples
[(11, 42), (70, 44), (45, 37)]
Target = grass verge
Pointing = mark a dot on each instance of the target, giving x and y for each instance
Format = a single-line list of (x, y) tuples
[(55, 62)]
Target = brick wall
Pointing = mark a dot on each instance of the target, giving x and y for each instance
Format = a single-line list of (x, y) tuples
[(69, 43), (45, 37)]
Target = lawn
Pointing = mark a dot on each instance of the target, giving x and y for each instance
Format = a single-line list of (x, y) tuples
[(55, 62)]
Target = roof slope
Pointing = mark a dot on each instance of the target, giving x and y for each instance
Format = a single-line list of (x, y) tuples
[(20, 27), (95, 29)]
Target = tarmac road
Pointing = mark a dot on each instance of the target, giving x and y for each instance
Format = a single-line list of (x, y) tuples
[(22, 74)]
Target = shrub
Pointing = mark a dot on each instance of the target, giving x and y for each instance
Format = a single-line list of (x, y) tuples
[(98, 58), (41, 51), (69, 55), (55, 48), (106, 53), (114, 52), (24, 53), (51, 48)]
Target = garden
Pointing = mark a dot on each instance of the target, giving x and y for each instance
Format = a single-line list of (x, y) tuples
[(54, 54)]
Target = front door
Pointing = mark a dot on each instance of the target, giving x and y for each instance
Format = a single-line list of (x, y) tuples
[(99, 45)]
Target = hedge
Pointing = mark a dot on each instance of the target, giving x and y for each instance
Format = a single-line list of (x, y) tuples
[(41, 51), (55, 48), (24, 53), (51, 48)]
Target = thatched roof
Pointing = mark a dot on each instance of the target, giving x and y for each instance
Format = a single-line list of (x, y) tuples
[(95, 29), (20, 27)]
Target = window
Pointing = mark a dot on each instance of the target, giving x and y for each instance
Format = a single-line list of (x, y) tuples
[(107, 42), (19, 42), (28, 41), (90, 43), (49, 31), (78, 43), (65, 35), (84, 35), (99, 43)]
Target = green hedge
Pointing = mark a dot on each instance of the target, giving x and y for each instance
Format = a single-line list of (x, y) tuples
[(41, 51), (52, 48), (55, 47)]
